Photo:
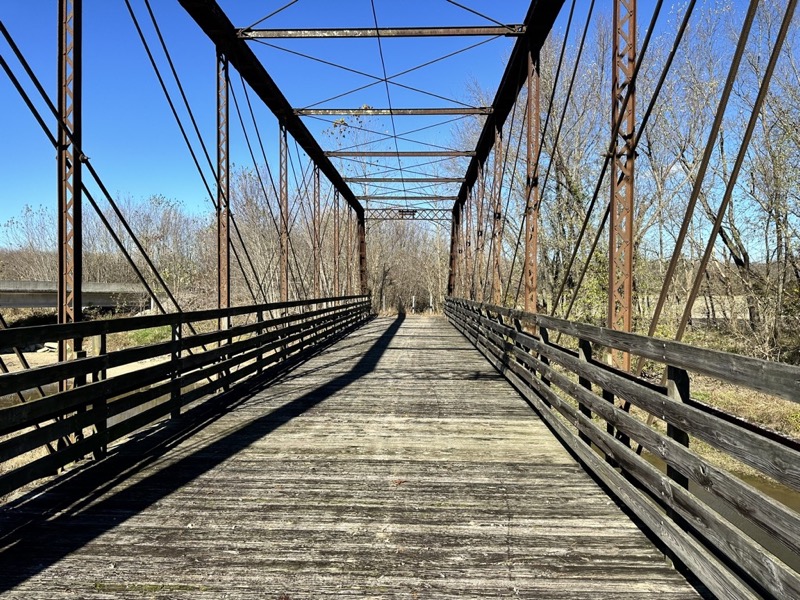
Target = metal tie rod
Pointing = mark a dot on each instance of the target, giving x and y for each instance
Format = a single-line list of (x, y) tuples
[(393, 112), (404, 179), (389, 154), (409, 198)]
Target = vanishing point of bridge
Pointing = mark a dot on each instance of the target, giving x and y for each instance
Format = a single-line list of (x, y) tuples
[(301, 447)]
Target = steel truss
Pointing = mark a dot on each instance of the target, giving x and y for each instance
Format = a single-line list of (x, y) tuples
[(620, 277), (408, 214)]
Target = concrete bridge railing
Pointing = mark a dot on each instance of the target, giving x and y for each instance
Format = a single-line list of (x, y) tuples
[(44, 294)]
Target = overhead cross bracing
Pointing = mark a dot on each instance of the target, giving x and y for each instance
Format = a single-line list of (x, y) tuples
[(401, 131)]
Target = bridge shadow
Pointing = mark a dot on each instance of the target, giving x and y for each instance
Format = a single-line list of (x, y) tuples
[(39, 529)]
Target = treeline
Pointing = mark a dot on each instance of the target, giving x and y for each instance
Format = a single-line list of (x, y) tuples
[(406, 263), (756, 259)]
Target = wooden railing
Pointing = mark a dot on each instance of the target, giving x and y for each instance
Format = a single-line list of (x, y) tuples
[(703, 513), (45, 429)]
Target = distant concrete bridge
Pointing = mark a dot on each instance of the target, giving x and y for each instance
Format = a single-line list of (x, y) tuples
[(43, 294)]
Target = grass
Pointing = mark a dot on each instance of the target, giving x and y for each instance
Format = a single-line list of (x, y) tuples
[(151, 335), (771, 412)]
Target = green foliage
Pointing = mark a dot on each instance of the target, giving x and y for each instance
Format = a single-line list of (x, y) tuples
[(151, 335)]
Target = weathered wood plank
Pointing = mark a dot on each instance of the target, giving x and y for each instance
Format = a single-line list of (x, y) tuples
[(777, 578), (767, 455), (397, 463), (38, 334), (23, 415), (719, 579), (779, 379)]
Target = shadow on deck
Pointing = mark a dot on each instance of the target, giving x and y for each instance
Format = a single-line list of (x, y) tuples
[(396, 462)]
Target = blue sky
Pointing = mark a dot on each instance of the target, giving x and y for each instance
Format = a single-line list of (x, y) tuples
[(129, 133)]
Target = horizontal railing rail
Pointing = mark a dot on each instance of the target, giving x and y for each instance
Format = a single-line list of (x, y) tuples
[(702, 512), (92, 401)]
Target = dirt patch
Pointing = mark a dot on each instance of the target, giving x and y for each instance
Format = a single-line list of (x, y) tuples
[(35, 359)]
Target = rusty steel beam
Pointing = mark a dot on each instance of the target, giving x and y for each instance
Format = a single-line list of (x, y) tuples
[(223, 190), (497, 233), (463, 241), (468, 259), (70, 215), (620, 278), (409, 198), (362, 254), (284, 209), (217, 26), (349, 262), (336, 245), (408, 214), (532, 131), (480, 235), (393, 112), (487, 31), (455, 228), (315, 216), (538, 23), (404, 179), (401, 154)]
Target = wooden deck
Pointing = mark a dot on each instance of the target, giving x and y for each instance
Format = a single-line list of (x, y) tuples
[(397, 463)]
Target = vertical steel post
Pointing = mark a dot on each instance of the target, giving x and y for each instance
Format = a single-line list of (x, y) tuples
[(336, 244), (530, 272), (455, 226), (469, 291), (70, 217), (362, 254), (223, 191), (316, 218), (455, 230), (481, 236), (678, 389), (622, 209), (349, 263), (497, 234), (463, 243), (284, 202)]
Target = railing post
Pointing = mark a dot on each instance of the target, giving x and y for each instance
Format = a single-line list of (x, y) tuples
[(544, 337), (585, 354), (100, 408), (609, 397), (99, 348), (224, 323), (260, 358), (479, 327), (506, 354), (175, 389), (79, 381), (677, 390)]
